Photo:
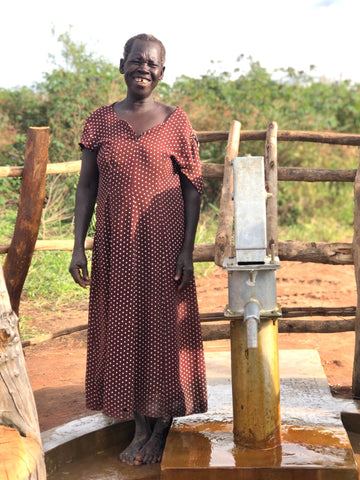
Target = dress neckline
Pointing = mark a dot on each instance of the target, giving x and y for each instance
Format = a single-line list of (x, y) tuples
[(137, 136)]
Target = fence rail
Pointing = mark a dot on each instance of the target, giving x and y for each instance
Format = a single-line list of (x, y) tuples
[(286, 136)]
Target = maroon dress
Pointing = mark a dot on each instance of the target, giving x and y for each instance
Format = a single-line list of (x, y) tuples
[(145, 350)]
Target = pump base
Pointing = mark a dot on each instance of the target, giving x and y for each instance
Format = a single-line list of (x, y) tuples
[(314, 443)]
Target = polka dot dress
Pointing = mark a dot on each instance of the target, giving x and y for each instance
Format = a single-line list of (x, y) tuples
[(144, 340)]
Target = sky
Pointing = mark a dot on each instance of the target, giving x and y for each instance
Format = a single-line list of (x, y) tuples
[(199, 36)]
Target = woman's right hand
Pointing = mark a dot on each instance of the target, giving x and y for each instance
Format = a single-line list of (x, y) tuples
[(78, 269)]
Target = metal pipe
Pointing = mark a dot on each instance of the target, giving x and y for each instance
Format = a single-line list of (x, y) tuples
[(252, 320), (255, 386)]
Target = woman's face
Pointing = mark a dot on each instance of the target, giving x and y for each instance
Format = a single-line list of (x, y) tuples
[(143, 68)]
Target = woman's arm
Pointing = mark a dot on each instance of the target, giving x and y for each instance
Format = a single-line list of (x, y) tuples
[(184, 266), (86, 194)]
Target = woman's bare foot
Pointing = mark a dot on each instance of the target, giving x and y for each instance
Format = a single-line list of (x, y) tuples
[(141, 437), (152, 451)]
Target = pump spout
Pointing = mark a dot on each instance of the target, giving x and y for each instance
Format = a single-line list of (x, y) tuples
[(252, 319)]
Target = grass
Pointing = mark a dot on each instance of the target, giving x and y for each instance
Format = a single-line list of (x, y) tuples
[(7, 224), (27, 329), (325, 230), (316, 211), (49, 282), (206, 233)]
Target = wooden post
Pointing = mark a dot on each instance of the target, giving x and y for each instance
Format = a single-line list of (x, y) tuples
[(356, 257), (226, 211), (271, 179), (31, 201), (21, 451)]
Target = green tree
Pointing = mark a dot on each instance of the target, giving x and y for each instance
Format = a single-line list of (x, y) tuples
[(79, 83)]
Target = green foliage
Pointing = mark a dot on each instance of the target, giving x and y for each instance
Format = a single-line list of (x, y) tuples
[(316, 211), (27, 329), (19, 109), (52, 268), (23, 108), (206, 233)]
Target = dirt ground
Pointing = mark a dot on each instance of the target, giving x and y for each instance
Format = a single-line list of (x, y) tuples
[(57, 367)]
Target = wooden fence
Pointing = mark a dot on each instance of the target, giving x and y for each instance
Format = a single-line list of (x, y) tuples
[(32, 195)]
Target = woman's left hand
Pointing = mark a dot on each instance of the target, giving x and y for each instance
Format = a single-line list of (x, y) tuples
[(184, 270)]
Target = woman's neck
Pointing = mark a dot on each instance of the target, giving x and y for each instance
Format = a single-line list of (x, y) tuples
[(138, 104)]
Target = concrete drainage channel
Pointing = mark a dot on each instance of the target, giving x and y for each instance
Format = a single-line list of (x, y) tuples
[(88, 448)]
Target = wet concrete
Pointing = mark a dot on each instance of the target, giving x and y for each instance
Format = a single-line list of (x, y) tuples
[(314, 442), (209, 451), (81, 438), (88, 449), (105, 465)]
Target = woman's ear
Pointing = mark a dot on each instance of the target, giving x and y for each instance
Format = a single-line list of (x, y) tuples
[(162, 73), (121, 66)]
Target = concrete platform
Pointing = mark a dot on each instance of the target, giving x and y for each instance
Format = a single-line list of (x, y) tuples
[(314, 441), (312, 429)]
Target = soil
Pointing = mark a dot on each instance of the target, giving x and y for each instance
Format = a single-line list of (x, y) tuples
[(57, 367)]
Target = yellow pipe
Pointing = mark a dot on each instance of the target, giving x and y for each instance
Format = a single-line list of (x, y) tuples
[(256, 385)]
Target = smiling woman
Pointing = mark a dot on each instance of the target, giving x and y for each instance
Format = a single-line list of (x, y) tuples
[(143, 68), (141, 165)]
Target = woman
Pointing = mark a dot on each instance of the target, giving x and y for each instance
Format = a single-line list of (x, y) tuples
[(140, 162)]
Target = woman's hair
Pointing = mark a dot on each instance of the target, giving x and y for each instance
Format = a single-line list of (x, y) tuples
[(147, 38)]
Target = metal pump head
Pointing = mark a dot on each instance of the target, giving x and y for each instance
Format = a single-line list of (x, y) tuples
[(249, 210)]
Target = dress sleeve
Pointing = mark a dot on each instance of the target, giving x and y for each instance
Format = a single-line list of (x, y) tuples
[(90, 135), (187, 155)]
